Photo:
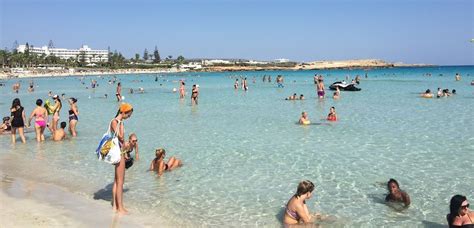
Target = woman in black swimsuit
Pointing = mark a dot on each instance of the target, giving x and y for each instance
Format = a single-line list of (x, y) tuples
[(459, 215), (18, 120), (194, 95), (73, 113)]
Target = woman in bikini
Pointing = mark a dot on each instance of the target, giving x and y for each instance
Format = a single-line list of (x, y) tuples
[(73, 113), (158, 164), (56, 110), (41, 118), (116, 126), (181, 90), (296, 210), (459, 215), (194, 95), (118, 92)]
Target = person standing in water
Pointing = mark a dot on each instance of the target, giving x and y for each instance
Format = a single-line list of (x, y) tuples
[(457, 77), (194, 95), (116, 127), (56, 109), (236, 84), (181, 90), (118, 92), (73, 116), (18, 120), (41, 118), (245, 85), (320, 88)]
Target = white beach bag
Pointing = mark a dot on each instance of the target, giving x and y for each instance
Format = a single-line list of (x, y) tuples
[(109, 148)]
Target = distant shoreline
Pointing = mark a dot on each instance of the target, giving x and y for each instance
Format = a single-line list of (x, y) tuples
[(317, 65)]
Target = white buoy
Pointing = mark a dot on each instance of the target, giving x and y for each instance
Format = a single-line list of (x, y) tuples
[(123, 97)]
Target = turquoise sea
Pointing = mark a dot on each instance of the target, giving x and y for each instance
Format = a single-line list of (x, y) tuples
[(244, 154)]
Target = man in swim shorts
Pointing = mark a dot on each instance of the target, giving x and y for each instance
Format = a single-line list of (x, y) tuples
[(320, 88)]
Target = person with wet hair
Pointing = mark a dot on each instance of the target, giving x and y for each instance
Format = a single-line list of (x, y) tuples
[(296, 210), (395, 194)]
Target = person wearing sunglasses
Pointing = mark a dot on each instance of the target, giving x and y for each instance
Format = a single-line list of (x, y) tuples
[(128, 147), (459, 214)]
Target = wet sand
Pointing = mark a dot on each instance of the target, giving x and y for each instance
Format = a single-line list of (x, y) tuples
[(26, 203)]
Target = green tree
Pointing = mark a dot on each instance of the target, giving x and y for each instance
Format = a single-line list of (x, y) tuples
[(82, 58), (145, 55), (180, 59), (156, 54)]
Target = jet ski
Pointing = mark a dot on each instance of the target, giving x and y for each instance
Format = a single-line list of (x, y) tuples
[(344, 86)]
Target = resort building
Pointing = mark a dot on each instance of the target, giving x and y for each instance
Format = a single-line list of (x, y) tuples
[(281, 60), (253, 62), (191, 66), (216, 61), (90, 56)]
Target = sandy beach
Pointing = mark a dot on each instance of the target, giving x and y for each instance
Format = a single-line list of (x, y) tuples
[(34, 73), (28, 201), (314, 65)]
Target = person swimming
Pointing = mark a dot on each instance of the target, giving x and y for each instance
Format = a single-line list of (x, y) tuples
[(395, 194), (292, 97), (427, 94)]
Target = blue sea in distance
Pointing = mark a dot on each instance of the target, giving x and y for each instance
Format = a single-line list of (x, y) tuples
[(244, 154)]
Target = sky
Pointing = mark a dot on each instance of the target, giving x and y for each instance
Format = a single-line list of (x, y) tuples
[(410, 31)]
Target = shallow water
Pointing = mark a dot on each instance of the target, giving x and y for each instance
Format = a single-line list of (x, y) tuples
[(244, 155)]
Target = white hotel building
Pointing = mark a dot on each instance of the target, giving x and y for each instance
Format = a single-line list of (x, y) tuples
[(90, 56)]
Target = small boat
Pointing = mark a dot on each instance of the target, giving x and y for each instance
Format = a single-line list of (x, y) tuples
[(344, 86)]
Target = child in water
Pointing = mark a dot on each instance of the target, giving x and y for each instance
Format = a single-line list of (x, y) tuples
[(395, 194)]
